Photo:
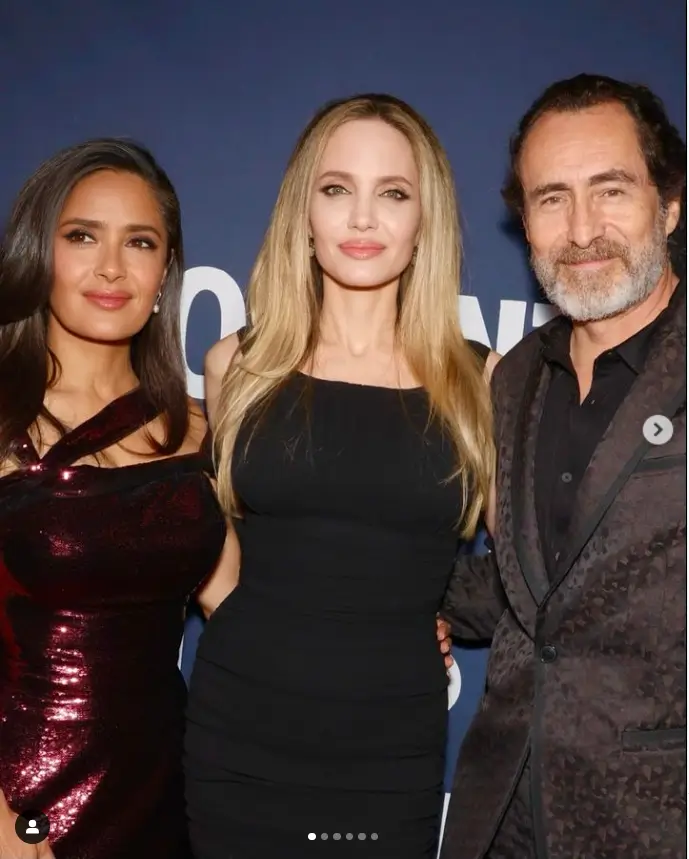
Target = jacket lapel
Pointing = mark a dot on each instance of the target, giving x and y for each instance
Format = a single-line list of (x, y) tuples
[(527, 541), (660, 389)]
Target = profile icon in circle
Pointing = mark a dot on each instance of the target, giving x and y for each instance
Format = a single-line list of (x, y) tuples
[(32, 826)]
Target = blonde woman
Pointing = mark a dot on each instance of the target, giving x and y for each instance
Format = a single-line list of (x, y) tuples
[(353, 437)]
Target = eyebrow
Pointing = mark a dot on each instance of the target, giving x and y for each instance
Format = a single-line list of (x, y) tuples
[(597, 179), (383, 180), (99, 225)]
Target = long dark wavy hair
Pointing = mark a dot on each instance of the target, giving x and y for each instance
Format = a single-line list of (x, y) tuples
[(28, 368), (661, 144)]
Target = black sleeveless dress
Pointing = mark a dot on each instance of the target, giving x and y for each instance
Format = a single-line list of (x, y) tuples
[(96, 565), (318, 702)]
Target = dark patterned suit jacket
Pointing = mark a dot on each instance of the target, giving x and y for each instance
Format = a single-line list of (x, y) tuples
[(587, 676)]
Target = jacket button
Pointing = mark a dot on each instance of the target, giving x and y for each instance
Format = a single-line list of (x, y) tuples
[(548, 653)]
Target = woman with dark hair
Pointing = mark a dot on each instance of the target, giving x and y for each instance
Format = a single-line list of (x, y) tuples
[(108, 521)]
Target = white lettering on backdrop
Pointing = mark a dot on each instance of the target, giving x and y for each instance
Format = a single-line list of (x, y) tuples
[(232, 311)]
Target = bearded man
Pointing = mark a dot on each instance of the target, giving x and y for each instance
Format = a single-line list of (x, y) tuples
[(579, 745)]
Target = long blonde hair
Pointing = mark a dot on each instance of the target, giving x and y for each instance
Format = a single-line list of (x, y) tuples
[(284, 303)]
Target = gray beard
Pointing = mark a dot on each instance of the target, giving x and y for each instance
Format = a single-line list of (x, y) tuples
[(588, 300)]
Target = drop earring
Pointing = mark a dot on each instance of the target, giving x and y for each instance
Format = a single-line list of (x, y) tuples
[(156, 306), (413, 257), (312, 247)]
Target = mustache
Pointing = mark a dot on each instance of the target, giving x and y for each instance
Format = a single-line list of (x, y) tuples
[(597, 251)]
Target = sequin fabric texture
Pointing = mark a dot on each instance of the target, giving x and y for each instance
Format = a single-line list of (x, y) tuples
[(96, 565)]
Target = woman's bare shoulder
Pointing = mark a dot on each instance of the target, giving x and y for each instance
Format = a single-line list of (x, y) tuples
[(219, 356), (491, 363)]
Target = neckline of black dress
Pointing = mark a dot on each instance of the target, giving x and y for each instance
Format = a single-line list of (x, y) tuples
[(360, 385), (118, 419)]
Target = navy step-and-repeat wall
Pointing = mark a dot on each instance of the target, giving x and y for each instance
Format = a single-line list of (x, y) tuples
[(220, 92)]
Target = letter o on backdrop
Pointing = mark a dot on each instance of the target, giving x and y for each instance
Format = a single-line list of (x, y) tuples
[(205, 278)]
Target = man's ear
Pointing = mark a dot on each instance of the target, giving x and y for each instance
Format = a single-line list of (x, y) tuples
[(674, 209), (525, 226)]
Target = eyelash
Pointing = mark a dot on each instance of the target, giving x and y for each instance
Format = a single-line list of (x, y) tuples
[(78, 236), (329, 190)]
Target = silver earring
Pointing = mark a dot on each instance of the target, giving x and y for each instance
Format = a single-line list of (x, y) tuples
[(413, 256), (312, 247), (156, 306)]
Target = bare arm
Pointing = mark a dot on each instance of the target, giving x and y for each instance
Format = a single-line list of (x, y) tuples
[(224, 579), (10, 845), (491, 363), (216, 363)]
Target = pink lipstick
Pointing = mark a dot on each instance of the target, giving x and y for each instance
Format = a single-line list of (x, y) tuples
[(108, 300), (362, 249)]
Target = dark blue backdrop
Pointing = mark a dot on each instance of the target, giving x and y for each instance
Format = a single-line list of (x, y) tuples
[(221, 91)]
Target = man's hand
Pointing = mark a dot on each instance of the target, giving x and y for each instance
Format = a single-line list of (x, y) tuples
[(445, 643), (10, 846)]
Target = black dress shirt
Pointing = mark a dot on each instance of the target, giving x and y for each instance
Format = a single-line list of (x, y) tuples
[(570, 431)]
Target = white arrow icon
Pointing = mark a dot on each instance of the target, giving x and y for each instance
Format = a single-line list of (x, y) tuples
[(658, 429)]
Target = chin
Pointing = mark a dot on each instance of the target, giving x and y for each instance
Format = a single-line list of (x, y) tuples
[(114, 335), (594, 305), (364, 280)]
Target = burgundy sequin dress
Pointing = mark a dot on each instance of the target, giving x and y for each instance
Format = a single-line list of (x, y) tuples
[(96, 565)]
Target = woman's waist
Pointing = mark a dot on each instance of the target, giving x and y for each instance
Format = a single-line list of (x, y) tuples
[(124, 635), (322, 653), (344, 536), (355, 578), (76, 662), (352, 607), (66, 694)]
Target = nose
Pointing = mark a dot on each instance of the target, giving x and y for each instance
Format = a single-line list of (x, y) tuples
[(110, 265), (584, 225), (363, 213)]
